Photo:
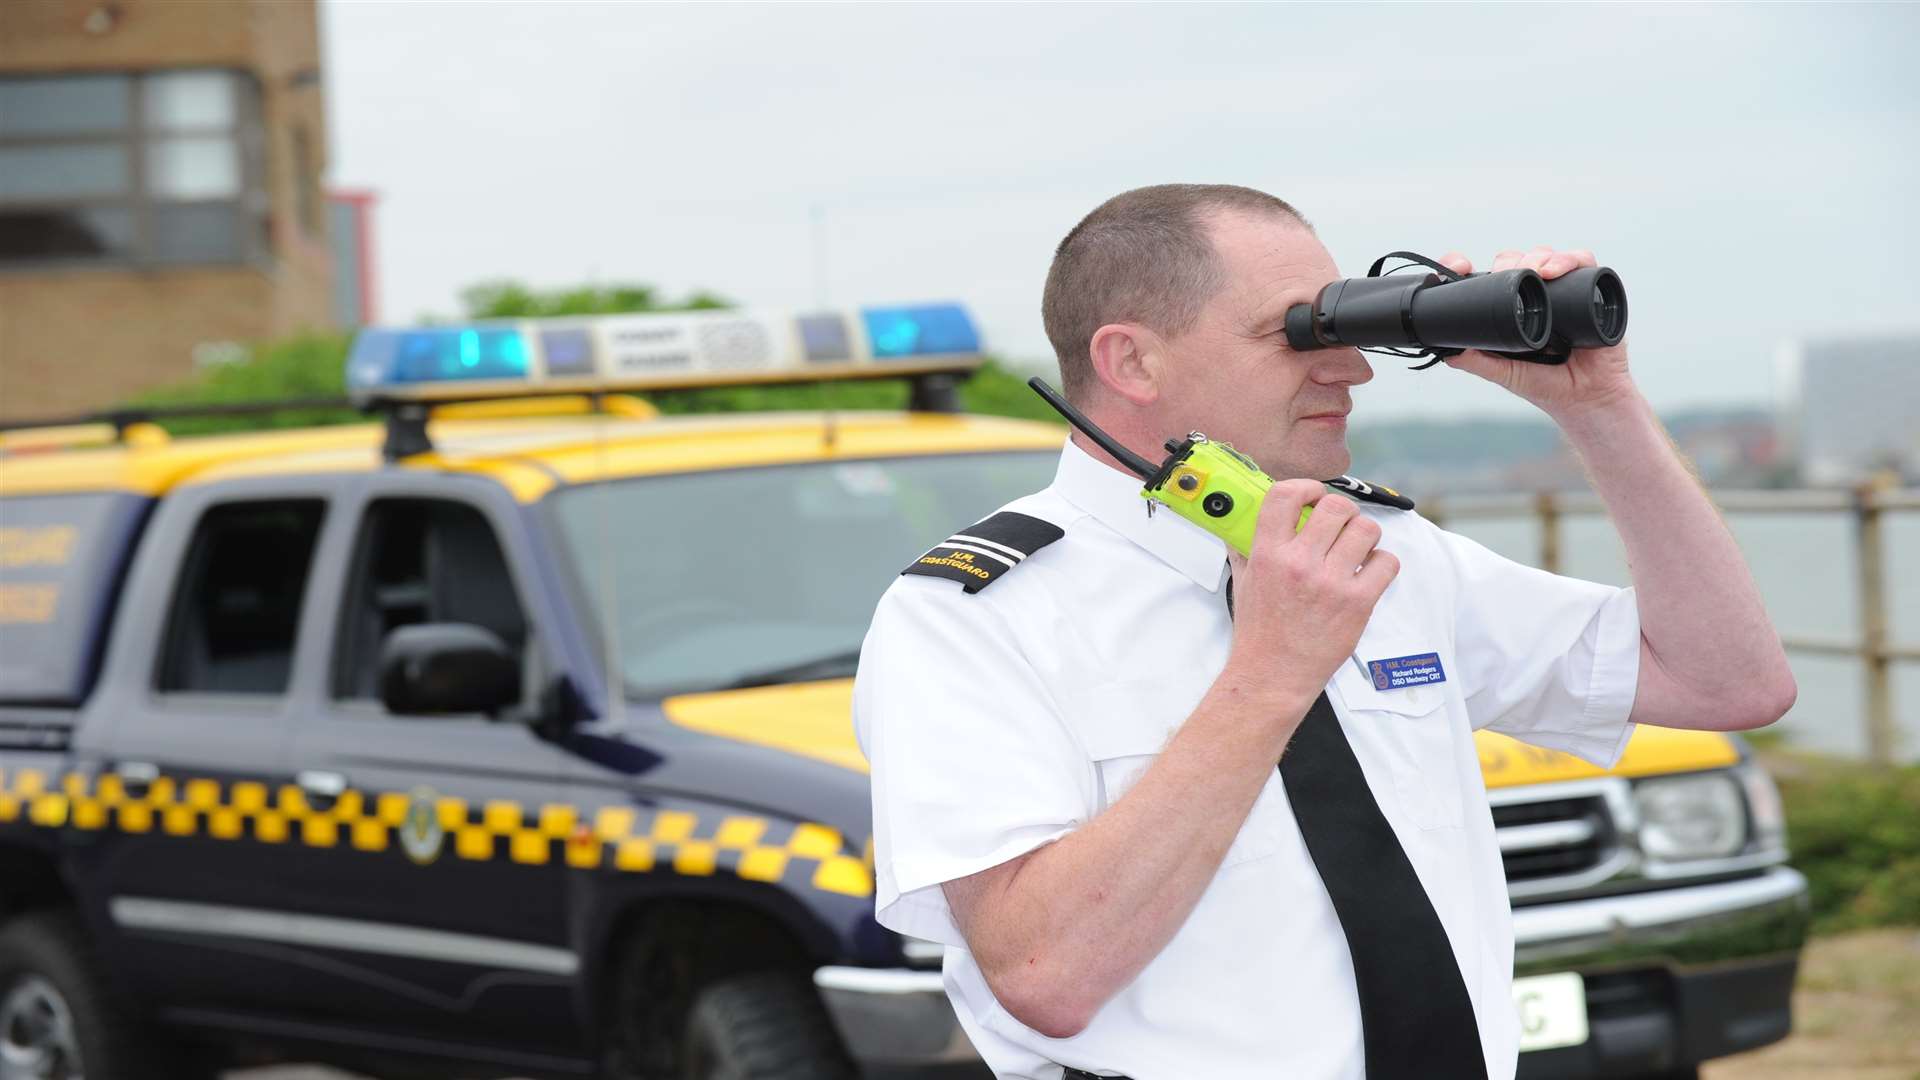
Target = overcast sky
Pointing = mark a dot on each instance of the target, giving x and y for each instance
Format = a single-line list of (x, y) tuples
[(1751, 171)]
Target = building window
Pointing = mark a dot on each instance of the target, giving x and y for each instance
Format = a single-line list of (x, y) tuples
[(153, 167)]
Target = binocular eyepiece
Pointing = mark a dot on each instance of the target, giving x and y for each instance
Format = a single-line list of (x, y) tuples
[(1514, 313)]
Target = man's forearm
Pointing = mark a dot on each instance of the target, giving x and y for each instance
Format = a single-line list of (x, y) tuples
[(1709, 656), (1078, 919)]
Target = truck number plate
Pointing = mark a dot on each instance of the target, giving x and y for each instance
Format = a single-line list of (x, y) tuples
[(1553, 1010)]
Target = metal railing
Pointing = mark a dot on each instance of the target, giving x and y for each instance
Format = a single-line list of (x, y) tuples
[(1867, 505)]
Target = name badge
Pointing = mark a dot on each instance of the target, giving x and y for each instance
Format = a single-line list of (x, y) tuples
[(1400, 672)]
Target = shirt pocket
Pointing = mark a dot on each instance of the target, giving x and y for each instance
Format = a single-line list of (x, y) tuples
[(1415, 733), (1124, 726)]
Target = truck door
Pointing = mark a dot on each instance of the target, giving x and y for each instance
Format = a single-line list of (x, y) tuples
[(440, 910), (180, 787)]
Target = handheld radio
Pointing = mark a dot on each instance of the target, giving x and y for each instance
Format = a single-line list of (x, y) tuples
[(1209, 483)]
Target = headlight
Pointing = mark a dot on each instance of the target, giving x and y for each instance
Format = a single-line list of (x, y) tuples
[(1691, 817), (1764, 806)]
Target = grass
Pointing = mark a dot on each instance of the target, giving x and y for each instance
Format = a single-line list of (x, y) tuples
[(1856, 1013)]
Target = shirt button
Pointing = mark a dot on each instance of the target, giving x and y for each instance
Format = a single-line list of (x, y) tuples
[(1413, 696)]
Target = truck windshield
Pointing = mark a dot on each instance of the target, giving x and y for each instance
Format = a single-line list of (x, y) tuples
[(748, 577)]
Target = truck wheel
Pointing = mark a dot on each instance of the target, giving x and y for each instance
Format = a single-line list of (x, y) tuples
[(765, 1026), (58, 1021)]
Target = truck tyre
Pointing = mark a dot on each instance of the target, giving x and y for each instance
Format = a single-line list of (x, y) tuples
[(768, 1025), (58, 1019)]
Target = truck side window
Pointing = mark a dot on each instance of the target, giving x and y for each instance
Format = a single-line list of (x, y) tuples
[(421, 561), (236, 602)]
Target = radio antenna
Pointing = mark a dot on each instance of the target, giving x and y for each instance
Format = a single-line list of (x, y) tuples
[(1107, 442)]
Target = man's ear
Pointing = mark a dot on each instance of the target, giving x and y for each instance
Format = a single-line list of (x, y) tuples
[(1127, 358)]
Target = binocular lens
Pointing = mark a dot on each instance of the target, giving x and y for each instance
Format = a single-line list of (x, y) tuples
[(1610, 306), (1589, 308), (1530, 309)]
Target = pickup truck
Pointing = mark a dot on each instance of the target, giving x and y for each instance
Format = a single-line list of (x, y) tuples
[(511, 737)]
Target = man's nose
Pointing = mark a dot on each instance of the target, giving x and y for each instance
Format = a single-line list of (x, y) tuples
[(1341, 367)]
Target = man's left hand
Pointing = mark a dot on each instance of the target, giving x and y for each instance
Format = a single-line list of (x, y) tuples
[(1591, 378)]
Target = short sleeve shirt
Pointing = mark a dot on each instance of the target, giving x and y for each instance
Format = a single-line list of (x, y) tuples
[(1001, 720)]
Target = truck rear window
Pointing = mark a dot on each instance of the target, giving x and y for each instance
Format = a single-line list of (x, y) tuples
[(61, 558)]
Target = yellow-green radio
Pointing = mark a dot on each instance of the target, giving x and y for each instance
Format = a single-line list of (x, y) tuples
[(1209, 483)]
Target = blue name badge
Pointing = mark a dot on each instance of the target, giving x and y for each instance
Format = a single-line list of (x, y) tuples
[(1400, 672)]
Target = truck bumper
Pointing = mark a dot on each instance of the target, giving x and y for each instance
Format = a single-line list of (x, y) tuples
[(1673, 977), (896, 1020)]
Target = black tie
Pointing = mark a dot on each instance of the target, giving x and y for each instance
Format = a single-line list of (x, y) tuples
[(1415, 1016)]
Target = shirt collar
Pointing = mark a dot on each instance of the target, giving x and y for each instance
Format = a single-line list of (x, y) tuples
[(1113, 497)]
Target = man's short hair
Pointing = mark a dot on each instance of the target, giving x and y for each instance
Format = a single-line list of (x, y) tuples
[(1144, 257)]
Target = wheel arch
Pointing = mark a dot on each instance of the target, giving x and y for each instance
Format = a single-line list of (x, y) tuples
[(30, 879), (649, 953)]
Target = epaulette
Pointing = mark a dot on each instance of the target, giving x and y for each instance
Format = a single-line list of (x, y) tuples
[(1373, 493), (977, 555)]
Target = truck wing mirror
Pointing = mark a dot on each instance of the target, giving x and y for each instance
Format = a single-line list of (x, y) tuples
[(434, 668)]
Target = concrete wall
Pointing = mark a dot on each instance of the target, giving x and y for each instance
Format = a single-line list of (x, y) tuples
[(78, 338)]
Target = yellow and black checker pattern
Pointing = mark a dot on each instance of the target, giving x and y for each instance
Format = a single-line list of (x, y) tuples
[(617, 838)]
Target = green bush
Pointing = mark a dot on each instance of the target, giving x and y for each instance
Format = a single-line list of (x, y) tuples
[(1855, 834), (310, 366)]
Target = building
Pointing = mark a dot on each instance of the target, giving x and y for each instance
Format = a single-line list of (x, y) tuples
[(160, 192), (1847, 407)]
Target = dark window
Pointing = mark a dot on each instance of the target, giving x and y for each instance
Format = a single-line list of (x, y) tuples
[(155, 167), (69, 232), (236, 608), (421, 561)]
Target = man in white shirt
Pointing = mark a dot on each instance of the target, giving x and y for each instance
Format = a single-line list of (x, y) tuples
[(1074, 774)]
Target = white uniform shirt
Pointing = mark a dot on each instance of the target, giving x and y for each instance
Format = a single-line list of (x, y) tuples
[(998, 721)]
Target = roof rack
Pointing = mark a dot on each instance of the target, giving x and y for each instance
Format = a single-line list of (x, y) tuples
[(133, 425), (123, 418)]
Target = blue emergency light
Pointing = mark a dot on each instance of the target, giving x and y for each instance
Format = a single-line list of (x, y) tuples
[(930, 329), (436, 354), (659, 351)]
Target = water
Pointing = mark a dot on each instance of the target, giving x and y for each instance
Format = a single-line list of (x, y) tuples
[(1805, 565)]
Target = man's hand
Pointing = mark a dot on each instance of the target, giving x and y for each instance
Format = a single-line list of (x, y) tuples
[(1301, 601), (1590, 378)]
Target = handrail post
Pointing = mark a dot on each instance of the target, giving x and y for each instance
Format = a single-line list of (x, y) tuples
[(1871, 558), (1547, 505)]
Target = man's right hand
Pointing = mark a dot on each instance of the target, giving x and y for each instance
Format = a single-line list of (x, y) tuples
[(1299, 604)]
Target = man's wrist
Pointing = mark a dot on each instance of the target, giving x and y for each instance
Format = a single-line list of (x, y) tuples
[(1603, 418), (1261, 693)]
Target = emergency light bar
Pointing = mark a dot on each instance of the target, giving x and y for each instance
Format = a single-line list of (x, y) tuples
[(658, 351)]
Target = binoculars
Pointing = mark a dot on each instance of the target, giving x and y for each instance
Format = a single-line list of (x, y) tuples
[(1513, 313)]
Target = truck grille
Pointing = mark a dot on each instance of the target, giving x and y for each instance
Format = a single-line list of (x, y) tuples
[(1555, 841)]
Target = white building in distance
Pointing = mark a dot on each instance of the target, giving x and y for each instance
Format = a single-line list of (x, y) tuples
[(1850, 407)]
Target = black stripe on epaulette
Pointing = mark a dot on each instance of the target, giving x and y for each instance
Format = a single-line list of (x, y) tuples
[(977, 555), (1373, 493)]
